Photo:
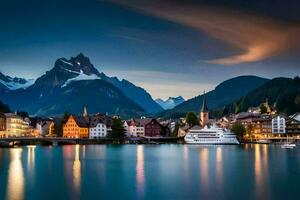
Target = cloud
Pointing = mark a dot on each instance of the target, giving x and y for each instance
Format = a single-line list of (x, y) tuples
[(256, 37)]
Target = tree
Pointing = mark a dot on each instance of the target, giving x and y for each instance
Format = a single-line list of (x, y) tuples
[(118, 131), (225, 111), (263, 109), (4, 108), (191, 119), (238, 129)]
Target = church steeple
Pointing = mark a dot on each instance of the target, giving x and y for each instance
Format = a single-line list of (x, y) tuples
[(204, 105), (85, 112), (204, 113)]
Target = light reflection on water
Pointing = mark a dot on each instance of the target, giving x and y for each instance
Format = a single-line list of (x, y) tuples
[(76, 169), (204, 156), (261, 170), (31, 159), (140, 174), (195, 171), (219, 168), (15, 182), (186, 165)]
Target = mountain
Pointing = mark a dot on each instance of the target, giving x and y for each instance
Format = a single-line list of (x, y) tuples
[(4, 108), (170, 103), (9, 83), (282, 93), (70, 85), (135, 93), (80, 68), (224, 94)]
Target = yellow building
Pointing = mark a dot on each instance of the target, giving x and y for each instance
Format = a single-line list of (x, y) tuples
[(52, 129), (76, 127)]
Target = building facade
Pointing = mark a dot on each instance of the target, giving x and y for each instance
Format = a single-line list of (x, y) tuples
[(97, 128), (293, 127), (153, 128), (2, 122), (278, 125), (76, 127), (43, 126), (262, 125), (16, 126)]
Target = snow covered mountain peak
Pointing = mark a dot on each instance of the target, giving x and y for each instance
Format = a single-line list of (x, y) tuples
[(170, 103), (10, 83)]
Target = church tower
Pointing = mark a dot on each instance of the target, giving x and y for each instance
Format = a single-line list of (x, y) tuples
[(204, 117), (85, 112)]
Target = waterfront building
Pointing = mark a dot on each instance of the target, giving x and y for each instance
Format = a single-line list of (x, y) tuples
[(262, 125), (278, 124), (2, 122), (293, 126), (136, 127), (153, 128), (52, 129), (97, 128), (16, 126), (223, 122), (245, 118), (183, 130), (126, 128), (295, 116), (76, 127), (43, 126), (107, 120), (204, 113), (2, 125), (130, 128)]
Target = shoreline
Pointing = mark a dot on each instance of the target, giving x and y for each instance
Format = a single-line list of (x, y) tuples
[(12, 142)]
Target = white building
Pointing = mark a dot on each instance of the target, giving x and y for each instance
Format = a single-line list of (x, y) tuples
[(97, 129), (134, 127), (16, 126), (278, 125), (43, 127)]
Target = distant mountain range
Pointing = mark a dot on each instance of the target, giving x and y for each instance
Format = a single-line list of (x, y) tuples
[(225, 93), (170, 103), (9, 83), (281, 93), (73, 83)]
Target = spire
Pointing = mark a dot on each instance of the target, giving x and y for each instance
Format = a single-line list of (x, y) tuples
[(85, 112), (204, 105)]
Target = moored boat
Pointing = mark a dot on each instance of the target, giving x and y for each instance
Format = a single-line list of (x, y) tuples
[(210, 135)]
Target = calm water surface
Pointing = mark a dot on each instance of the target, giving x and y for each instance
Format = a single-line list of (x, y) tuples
[(150, 172)]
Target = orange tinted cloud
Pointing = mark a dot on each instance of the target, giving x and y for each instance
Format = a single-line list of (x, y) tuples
[(256, 37)]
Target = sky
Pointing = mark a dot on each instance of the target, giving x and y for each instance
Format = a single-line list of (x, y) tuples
[(170, 48)]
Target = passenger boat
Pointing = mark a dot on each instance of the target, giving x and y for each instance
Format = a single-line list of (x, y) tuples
[(210, 135)]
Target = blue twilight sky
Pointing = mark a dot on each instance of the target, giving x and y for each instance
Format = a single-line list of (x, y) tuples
[(169, 48)]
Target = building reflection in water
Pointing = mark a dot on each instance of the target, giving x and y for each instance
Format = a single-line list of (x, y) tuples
[(140, 173), (261, 170), (219, 168), (15, 183), (186, 165), (204, 168), (31, 159), (77, 169)]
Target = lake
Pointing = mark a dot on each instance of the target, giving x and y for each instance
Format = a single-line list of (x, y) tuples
[(149, 172)]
